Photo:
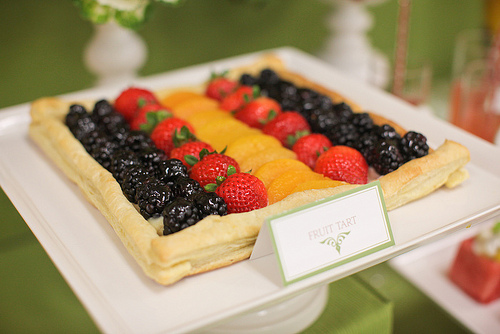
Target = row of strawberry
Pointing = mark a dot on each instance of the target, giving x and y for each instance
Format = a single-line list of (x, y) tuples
[(338, 162)]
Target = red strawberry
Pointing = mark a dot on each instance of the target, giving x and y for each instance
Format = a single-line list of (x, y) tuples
[(219, 87), (171, 131), (343, 163), (258, 112), (308, 148), (212, 166), (242, 192), (149, 117), (287, 127), (190, 149), (132, 99), (235, 101)]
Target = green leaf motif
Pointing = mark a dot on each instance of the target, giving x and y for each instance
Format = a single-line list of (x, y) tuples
[(335, 242)]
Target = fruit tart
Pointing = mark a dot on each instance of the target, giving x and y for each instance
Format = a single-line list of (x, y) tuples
[(187, 176), (476, 267)]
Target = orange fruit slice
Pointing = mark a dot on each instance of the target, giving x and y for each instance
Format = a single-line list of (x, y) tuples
[(283, 185), (317, 184), (172, 100), (222, 132), (254, 162), (272, 169), (194, 105), (199, 119), (249, 145)]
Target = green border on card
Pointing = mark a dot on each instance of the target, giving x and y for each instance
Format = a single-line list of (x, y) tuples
[(374, 184)]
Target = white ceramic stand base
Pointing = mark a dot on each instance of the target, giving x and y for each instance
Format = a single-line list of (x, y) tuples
[(349, 49), (115, 54), (291, 316)]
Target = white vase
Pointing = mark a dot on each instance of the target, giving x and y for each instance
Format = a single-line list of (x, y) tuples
[(115, 54)]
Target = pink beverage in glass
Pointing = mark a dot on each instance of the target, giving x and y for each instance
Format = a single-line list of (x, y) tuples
[(472, 109)]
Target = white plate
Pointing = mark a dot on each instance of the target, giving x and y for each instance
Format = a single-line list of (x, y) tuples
[(427, 268), (122, 299)]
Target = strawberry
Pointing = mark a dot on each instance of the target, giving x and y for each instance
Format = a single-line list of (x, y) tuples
[(242, 192), (172, 132), (149, 116), (212, 166), (309, 147), (219, 87), (132, 99), (258, 112), (287, 127), (235, 101), (192, 149), (343, 163)]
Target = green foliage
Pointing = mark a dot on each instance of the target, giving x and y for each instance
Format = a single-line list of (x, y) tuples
[(128, 13)]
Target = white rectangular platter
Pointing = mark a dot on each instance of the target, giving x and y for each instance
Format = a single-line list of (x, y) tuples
[(427, 268), (112, 287)]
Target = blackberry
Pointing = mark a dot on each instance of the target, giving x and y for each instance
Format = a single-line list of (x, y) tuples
[(366, 144), (152, 196), (362, 121), (185, 187), (268, 77), (167, 170), (178, 215), (343, 134), (386, 156), (94, 139), (322, 121), (210, 204), (76, 111), (248, 80), (414, 145), (136, 140), (101, 109), (102, 153), (120, 160), (151, 157), (343, 111), (133, 176), (386, 132), (82, 125)]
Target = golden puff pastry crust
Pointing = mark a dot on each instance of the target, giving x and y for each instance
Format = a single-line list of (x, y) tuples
[(217, 241)]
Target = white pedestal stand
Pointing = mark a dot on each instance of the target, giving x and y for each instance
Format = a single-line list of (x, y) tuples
[(115, 54), (349, 49), (291, 316)]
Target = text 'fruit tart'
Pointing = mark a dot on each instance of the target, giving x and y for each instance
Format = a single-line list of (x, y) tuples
[(186, 177)]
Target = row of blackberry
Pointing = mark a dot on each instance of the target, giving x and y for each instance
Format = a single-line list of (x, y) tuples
[(383, 148), (157, 185)]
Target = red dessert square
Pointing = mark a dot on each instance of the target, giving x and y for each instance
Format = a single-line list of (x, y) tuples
[(477, 275)]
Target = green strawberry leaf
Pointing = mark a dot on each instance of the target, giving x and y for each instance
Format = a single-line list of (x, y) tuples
[(153, 119), (191, 159), (204, 152), (215, 75), (183, 136), (231, 170), (292, 139), (211, 187)]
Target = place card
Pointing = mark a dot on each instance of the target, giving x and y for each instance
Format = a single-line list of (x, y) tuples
[(326, 233)]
